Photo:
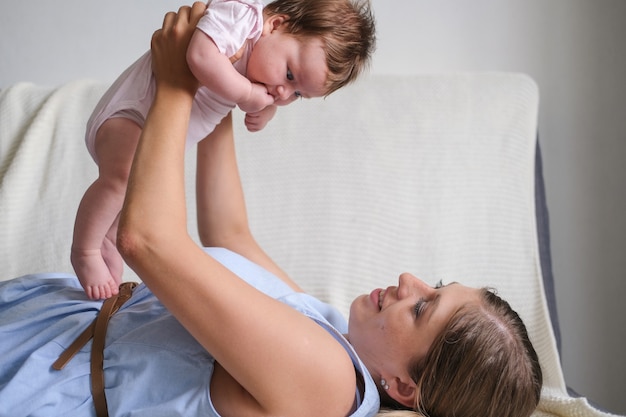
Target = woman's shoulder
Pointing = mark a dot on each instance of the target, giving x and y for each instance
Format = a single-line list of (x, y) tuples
[(328, 317)]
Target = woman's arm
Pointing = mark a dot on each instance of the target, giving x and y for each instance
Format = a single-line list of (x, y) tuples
[(221, 209), (263, 344)]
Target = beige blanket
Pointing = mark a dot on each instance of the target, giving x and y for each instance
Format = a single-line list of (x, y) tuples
[(428, 174)]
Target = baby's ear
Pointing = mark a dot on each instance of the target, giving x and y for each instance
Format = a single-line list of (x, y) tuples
[(274, 22)]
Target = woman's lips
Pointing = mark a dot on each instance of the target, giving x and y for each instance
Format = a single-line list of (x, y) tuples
[(375, 297)]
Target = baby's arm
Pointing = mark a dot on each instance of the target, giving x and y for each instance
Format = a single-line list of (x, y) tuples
[(215, 71)]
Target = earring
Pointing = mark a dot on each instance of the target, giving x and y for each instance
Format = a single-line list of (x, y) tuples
[(383, 384)]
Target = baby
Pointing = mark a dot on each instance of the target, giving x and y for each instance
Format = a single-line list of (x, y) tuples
[(243, 54)]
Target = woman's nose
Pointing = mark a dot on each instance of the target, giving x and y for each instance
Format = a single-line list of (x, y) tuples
[(409, 284)]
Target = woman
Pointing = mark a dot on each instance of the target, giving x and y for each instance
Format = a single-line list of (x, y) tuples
[(274, 351)]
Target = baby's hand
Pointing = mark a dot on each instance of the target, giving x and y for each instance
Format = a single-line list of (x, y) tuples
[(257, 100), (257, 120)]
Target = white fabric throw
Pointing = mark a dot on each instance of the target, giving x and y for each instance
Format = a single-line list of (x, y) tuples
[(430, 174)]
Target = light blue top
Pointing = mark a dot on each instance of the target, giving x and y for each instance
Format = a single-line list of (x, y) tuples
[(153, 367)]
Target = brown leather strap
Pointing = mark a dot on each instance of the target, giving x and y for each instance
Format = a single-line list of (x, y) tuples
[(109, 307), (97, 330), (76, 345)]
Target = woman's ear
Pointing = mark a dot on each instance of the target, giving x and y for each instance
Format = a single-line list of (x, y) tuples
[(403, 392)]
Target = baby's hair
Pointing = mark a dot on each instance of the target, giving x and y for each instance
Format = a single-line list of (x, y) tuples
[(346, 28)]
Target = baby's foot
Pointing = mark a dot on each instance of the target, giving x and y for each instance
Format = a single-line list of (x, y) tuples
[(102, 291), (94, 275)]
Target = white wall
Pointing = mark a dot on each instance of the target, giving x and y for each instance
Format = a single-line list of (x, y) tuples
[(572, 48)]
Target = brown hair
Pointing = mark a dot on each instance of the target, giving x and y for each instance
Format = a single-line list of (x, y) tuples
[(483, 364), (346, 28)]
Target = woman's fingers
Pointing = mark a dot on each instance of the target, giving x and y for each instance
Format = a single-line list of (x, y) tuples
[(168, 19), (169, 46), (187, 18), (182, 17), (183, 22), (197, 11)]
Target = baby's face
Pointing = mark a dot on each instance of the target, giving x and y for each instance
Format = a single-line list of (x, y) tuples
[(289, 68)]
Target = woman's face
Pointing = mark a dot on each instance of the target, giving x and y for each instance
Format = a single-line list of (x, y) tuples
[(391, 328)]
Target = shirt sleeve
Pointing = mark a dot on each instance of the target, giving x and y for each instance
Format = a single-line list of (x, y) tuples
[(231, 23)]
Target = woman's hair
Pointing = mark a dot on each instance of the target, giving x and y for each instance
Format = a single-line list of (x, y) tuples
[(346, 28), (483, 364)]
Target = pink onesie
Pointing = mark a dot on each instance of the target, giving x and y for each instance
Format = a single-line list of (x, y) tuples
[(231, 24)]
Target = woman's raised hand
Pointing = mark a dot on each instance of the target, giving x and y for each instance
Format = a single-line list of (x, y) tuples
[(169, 47)]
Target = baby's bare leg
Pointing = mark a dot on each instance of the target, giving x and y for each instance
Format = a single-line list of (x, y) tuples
[(115, 145), (111, 255)]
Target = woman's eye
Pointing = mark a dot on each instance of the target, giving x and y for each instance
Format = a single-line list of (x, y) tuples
[(419, 306), (297, 94), (289, 75), (439, 284)]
